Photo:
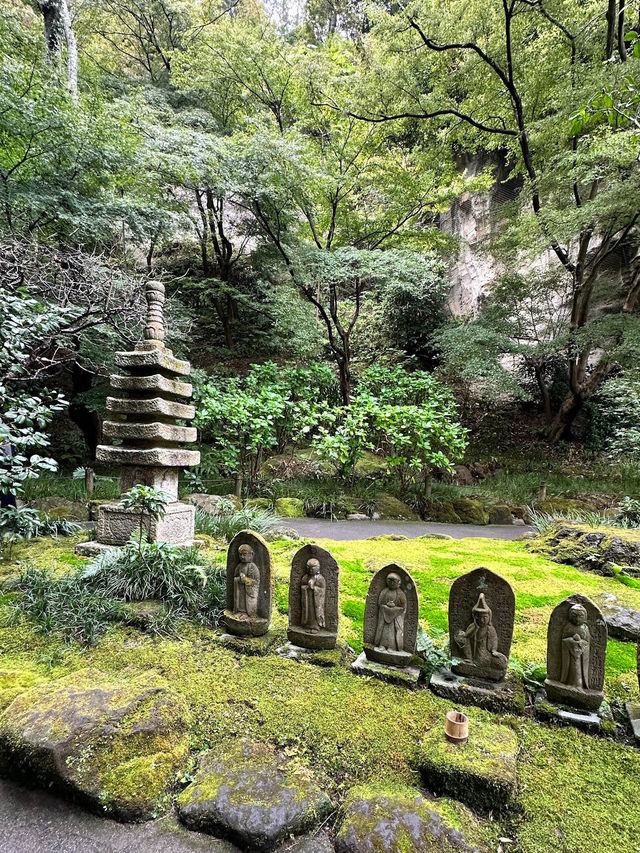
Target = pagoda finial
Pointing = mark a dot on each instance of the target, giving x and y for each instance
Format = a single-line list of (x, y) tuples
[(154, 327)]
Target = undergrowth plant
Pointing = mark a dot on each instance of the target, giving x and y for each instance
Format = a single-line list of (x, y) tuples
[(20, 523), (229, 521)]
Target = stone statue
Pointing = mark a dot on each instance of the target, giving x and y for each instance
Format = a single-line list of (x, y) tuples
[(312, 595), (576, 650), (392, 606), (479, 642), (481, 614), (246, 583), (391, 617), (313, 599), (250, 580)]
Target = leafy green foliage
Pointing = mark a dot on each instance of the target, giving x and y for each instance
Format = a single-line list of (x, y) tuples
[(229, 521)]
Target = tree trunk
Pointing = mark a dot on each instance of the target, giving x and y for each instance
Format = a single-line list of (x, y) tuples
[(58, 25), (344, 374), (239, 482), (560, 426)]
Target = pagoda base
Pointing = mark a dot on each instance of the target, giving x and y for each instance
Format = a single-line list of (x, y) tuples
[(116, 524)]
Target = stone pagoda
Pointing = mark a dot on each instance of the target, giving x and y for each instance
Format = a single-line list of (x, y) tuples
[(146, 419)]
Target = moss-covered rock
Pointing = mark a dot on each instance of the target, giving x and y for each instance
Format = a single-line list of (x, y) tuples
[(386, 506), (250, 793), (116, 746), (213, 503), (57, 508), (319, 842), (441, 511), (481, 772), (402, 820), (500, 514), (594, 549), (470, 511), (258, 503), (290, 508)]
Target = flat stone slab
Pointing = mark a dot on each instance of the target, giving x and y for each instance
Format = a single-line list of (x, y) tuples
[(397, 821), (480, 773), (508, 695), (152, 359), (262, 645), (407, 676), (159, 457), (114, 746), (153, 406), (148, 432), (588, 721), (252, 795), (633, 710), (318, 657), (155, 382)]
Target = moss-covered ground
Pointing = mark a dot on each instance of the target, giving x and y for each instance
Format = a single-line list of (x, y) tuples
[(577, 793)]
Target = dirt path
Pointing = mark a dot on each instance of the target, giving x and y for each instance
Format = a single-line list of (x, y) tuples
[(319, 528)]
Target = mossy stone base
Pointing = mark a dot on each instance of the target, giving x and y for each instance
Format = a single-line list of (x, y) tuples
[(319, 657), (574, 697), (253, 795), (407, 676), (263, 645), (481, 773), (320, 640), (244, 626), (506, 696), (587, 721), (115, 746), (633, 710), (397, 820)]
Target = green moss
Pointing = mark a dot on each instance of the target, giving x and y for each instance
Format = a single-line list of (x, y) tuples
[(289, 508), (579, 793), (470, 511), (481, 772), (389, 507)]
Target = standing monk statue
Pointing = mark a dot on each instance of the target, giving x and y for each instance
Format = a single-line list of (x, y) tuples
[(392, 606), (246, 583), (576, 640), (312, 596)]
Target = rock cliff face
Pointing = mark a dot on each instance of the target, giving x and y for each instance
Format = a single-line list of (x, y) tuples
[(473, 220)]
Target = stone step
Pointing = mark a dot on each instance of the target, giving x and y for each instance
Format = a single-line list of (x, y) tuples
[(155, 406), (155, 382), (156, 358), (149, 432), (159, 457)]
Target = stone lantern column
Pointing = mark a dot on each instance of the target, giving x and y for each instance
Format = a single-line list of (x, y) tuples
[(146, 428)]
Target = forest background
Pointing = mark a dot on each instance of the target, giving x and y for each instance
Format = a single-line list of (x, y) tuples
[(289, 171)]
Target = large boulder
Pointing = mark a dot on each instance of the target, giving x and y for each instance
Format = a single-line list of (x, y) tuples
[(252, 795), (214, 504), (386, 506), (397, 821), (470, 511), (500, 514), (442, 512), (623, 623), (114, 746)]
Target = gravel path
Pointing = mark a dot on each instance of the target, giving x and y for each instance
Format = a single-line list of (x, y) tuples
[(319, 528)]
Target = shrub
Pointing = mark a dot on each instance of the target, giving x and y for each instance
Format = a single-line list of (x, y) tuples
[(20, 523), (227, 524)]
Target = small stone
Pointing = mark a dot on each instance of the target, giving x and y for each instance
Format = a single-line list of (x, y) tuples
[(396, 821), (252, 795)]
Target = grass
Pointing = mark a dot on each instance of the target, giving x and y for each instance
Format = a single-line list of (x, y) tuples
[(573, 788), (106, 488)]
